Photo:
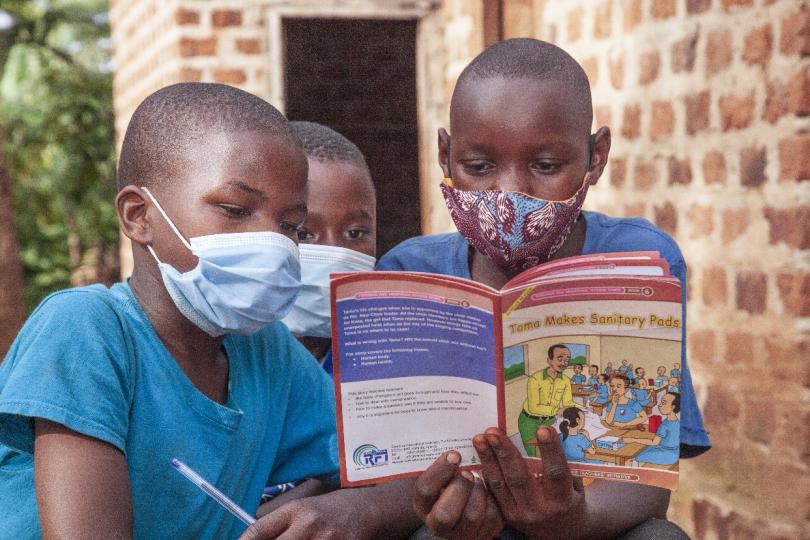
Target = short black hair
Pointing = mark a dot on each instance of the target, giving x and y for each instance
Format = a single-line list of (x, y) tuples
[(676, 403), (556, 346), (323, 143), (168, 124), (526, 58)]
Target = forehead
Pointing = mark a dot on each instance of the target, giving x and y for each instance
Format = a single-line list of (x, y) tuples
[(485, 109), (340, 187)]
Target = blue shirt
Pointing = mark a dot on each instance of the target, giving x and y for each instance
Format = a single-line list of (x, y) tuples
[(578, 379), (675, 373), (662, 380), (666, 451), (592, 381), (642, 396), (448, 254), (89, 359), (602, 392), (575, 446), (625, 412)]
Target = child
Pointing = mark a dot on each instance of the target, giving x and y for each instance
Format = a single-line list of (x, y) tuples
[(609, 369), (602, 390), (340, 230), (578, 377), (663, 448), (662, 378), (187, 358), (593, 372), (625, 370), (623, 411), (676, 371), (520, 119), (673, 386), (639, 379), (576, 442)]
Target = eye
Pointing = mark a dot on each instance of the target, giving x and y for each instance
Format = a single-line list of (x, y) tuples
[(357, 234), (235, 211), (477, 166), (546, 167)]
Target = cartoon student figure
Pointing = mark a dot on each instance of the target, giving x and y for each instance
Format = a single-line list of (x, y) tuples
[(665, 446), (547, 393), (674, 385), (623, 411), (639, 378), (578, 377), (609, 369), (676, 370), (576, 442), (662, 378), (625, 369), (593, 372), (602, 390)]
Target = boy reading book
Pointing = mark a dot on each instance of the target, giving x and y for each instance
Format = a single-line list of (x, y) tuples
[(518, 162)]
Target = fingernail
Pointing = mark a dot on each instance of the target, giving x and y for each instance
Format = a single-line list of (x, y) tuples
[(493, 441), (544, 434), (453, 458), (480, 442)]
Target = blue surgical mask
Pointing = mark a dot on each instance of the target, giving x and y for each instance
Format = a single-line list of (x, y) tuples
[(242, 283), (311, 313)]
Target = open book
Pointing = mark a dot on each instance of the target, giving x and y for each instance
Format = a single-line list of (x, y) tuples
[(423, 362)]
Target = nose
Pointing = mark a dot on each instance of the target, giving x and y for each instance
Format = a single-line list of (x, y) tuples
[(512, 179)]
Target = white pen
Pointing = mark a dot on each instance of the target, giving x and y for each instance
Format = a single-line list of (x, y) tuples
[(213, 492)]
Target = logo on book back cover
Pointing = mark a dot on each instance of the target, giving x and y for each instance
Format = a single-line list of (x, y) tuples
[(368, 455)]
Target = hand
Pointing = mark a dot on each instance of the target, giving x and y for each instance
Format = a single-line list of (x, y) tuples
[(454, 505), (551, 506)]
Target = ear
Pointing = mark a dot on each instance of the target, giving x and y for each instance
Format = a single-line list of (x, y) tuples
[(130, 204), (444, 152), (601, 149)]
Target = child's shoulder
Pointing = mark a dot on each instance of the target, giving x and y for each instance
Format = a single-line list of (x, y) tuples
[(437, 253), (607, 234), (79, 305)]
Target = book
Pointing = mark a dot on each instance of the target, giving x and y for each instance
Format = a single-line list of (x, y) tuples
[(423, 362)]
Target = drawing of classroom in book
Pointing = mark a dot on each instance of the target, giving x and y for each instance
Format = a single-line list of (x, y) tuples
[(614, 400)]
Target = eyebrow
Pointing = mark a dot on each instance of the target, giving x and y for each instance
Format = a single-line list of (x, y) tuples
[(359, 214), (246, 188)]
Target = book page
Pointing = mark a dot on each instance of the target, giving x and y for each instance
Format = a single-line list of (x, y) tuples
[(416, 372), (565, 341)]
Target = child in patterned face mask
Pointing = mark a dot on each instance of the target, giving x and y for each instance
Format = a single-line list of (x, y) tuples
[(339, 234), (518, 161)]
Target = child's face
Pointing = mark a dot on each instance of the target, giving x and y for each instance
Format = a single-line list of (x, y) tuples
[(673, 381), (617, 387), (662, 370), (341, 206), (592, 371), (234, 182), (516, 135)]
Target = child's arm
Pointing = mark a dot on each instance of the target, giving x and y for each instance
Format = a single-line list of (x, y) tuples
[(640, 419), (308, 488), (82, 485), (381, 511)]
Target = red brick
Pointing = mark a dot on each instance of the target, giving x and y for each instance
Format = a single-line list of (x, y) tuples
[(794, 289), (702, 346), (631, 14), (796, 33), (635, 210), (197, 47), (249, 46), (680, 171), (798, 93), (718, 51), (645, 175), (662, 119), (229, 76), (697, 112), (752, 292), (186, 16), (190, 75), (631, 122), (701, 220), (723, 406), (573, 25), (683, 53), (697, 6), (714, 168), (616, 68), (752, 166), (789, 225), (758, 45), (663, 9), (618, 172), (649, 62), (591, 68), (776, 101), (666, 217), (226, 17), (735, 222), (730, 4), (602, 19), (793, 162), (602, 114), (714, 290), (739, 348), (736, 112)]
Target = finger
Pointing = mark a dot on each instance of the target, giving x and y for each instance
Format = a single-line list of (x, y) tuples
[(431, 482), (491, 471), (557, 480), (269, 526), (474, 511), (447, 511), (493, 519), (579, 485), (516, 475)]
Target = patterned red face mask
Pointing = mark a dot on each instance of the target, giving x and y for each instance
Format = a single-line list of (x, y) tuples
[(513, 229)]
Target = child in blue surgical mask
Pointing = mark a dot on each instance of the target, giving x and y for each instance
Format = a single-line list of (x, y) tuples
[(518, 162), (187, 359), (339, 234)]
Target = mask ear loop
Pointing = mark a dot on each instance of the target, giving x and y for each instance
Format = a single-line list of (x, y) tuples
[(169, 221)]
